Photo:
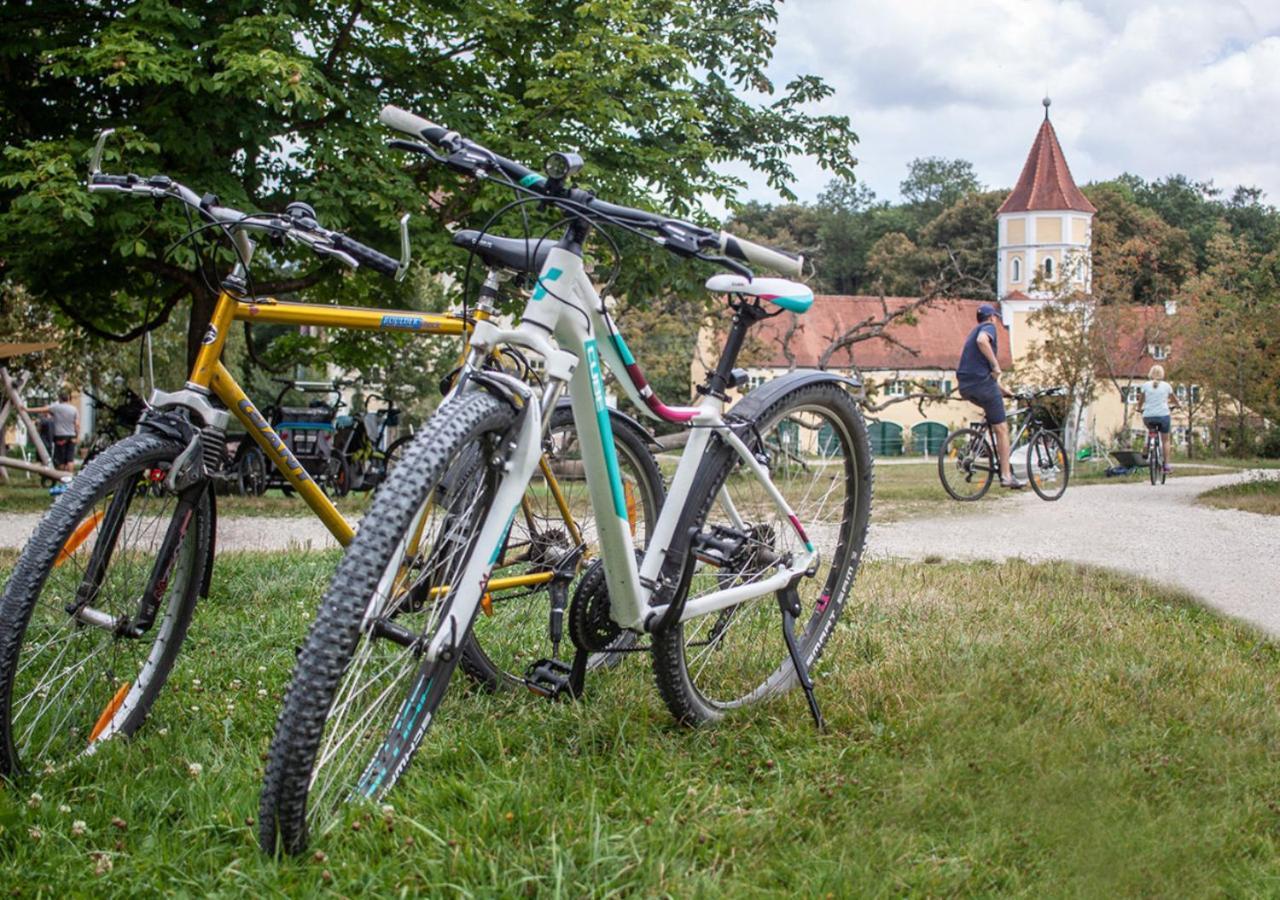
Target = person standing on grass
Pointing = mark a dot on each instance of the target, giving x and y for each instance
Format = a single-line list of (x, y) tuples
[(1158, 401), (978, 378), (66, 431)]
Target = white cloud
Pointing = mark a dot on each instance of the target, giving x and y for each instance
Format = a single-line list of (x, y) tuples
[(1188, 87)]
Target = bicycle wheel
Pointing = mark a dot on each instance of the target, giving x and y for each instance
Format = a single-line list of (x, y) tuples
[(251, 472), (1047, 467), (362, 697), (515, 631), (820, 461), (1164, 472), (70, 674), (966, 464), (337, 477)]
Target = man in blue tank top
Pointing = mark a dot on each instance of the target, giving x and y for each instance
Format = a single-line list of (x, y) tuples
[(978, 378)]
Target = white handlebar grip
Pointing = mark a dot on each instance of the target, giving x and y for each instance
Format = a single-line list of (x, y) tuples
[(759, 255), (407, 122)]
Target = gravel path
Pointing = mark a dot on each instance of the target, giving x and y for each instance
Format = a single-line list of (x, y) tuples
[(265, 533), (1229, 559)]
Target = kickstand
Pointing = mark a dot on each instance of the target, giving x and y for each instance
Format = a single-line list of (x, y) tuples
[(789, 602), (578, 674)]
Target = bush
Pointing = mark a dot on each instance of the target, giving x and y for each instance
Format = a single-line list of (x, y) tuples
[(1269, 447)]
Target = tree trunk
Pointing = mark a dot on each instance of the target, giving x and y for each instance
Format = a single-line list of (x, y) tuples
[(202, 304)]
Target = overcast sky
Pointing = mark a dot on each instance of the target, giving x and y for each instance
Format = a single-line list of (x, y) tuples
[(1190, 86)]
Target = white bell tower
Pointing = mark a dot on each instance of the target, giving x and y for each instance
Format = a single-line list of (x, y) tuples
[(1045, 229)]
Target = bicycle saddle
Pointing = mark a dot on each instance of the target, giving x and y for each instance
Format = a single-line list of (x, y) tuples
[(516, 254), (790, 295)]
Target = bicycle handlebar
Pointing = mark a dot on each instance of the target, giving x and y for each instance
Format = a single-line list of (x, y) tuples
[(298, 223), (680, 237)]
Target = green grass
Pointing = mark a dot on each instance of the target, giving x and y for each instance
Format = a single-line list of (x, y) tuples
[(994, 729), (908, 490), (1256, 495)]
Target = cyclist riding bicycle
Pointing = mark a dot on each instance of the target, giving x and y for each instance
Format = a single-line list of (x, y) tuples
[(978, 377), (1158, 401)]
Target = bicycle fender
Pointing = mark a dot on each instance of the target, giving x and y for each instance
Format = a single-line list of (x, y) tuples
[(753, 405)]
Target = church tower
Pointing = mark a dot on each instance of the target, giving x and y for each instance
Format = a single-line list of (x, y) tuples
[(1044, 233)]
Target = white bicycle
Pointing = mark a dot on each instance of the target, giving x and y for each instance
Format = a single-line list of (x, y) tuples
[(763, 525)]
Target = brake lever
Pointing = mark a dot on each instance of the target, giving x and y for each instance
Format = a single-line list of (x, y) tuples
[(405, 252), (340, 255), (95, 160), (731, 264), (415, 147)]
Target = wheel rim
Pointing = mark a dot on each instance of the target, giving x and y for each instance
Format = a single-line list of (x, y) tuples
[(76, 684), (736, 656), (379, 693), (966, 465), (1046, 464)]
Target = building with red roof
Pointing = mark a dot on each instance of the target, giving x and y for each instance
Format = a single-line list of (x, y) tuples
[(1044, 240)]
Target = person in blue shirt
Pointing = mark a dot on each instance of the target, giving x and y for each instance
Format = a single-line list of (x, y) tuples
[(978, 378)]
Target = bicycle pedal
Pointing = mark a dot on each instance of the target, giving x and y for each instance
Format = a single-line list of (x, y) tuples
[(550, 678), (719, 546)]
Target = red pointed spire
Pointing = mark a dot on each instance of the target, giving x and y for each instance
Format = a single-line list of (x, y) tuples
[(1046, 182)]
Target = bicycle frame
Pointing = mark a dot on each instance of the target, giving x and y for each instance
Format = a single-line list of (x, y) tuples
[(563, 321), (208, 374)]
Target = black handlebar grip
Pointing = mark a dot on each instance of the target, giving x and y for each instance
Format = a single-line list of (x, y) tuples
[(116, 180), (366, 256)]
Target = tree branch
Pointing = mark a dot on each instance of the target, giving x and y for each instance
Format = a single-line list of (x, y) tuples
[(344, 36), (161, 318)]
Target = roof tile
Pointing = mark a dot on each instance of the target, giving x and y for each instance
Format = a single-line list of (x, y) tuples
[(937, 334), (1046, 182)]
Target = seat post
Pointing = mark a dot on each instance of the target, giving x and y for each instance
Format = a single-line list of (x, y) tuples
[(721, 379)]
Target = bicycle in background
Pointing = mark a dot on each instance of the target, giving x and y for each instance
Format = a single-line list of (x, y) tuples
[(967, 462), (1155, 456), (367, 454)]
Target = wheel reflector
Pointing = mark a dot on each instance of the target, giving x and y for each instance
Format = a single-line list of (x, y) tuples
[(109, 713), (486, 604), (78, 537), (630, 493)]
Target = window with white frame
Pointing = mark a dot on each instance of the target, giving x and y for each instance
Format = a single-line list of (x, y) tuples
[(1048, 267), (1158, 351), (896, 389), (1015, 269)]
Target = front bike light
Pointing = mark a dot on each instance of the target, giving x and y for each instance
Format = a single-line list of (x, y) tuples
[(559, 165)]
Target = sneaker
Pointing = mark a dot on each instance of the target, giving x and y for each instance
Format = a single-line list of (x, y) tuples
[(57, 490), (1167, 468), (1012, 484)]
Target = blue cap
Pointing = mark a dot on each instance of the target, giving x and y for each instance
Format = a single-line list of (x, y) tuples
[(986, 311)]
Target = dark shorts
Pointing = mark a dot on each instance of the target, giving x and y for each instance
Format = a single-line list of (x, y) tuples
[(1159, 423), (985, 393), (64, 451)]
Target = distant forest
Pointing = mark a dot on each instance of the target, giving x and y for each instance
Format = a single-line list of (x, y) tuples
[(1149, 238)]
